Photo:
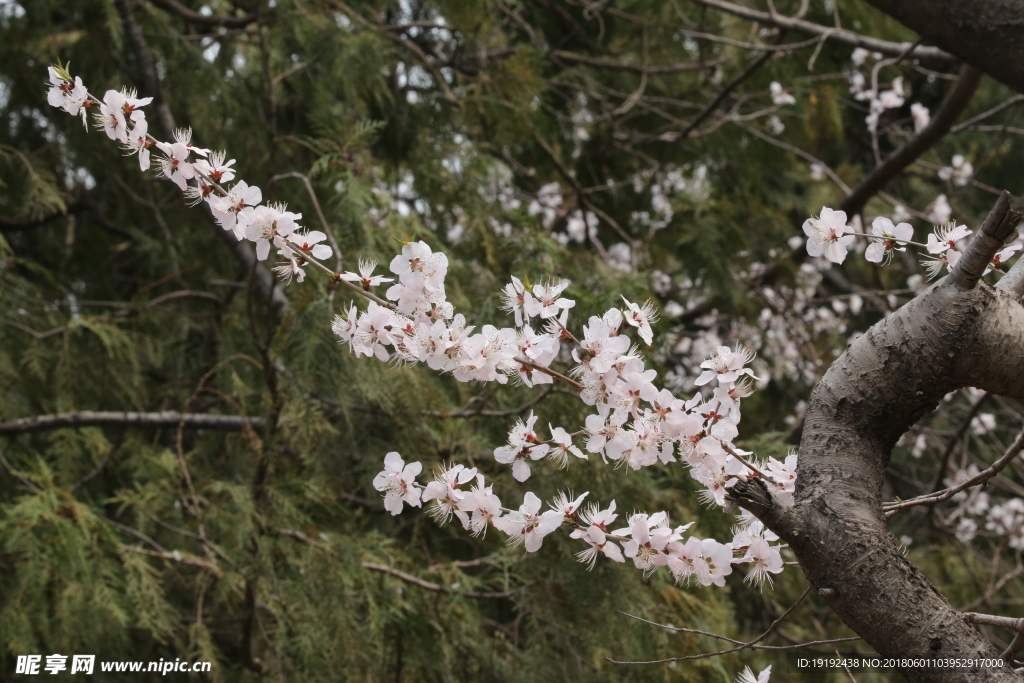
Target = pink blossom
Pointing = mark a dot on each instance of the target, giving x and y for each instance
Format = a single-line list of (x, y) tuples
[(527, 526), (396, 483)]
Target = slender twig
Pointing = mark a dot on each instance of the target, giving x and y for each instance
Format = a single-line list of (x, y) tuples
[(408, 45), (653, 70), (980, 478), (955, 439), (99, 468), (729, 87), (749, 46), (466, 413), (1002, 106), (548, 371), (177, 556), (846, 668), (24, 480), (319, 211), (437, 588), (806, 156), (844, 36), (585, 203), (743, 646)]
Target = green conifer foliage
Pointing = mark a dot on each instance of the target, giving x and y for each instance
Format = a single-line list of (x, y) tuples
[(264, 549)]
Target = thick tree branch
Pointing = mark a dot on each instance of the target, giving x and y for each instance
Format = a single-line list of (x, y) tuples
[(755, 496), (945, 339), (93, 418), (956, 101), (1013, 282), (985, 33), (830, 33), (999, 228)]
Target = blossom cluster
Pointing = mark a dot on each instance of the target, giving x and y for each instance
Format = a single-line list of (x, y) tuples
[(634, 423), (830, 235), (201, 174), (881, 99), (650, 541)]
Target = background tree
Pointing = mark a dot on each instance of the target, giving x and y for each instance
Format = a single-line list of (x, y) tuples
[(633, 149)]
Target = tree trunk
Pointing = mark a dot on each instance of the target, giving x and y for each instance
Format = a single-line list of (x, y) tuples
[(984, 33), (958, 333)]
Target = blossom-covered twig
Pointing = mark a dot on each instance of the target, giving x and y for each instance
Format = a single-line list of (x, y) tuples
[(635, 424)]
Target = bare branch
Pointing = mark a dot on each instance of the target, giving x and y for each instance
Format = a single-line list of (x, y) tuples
[(479, 412), (729, 87), (786, 47), (743, 646), (839, 35), (955, 439), (1002, 106), (612, 65), (796, 646), (581, 196), (437, 588), (980, 478), (800, 153), (178, 556), (165, 418), (23, 479), (408, 45), (35, 333)]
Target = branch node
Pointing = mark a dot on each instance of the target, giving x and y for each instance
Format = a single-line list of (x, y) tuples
[(1000, 225)]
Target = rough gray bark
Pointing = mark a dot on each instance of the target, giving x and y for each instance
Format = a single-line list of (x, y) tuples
[(960, 332), (984, 33)]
